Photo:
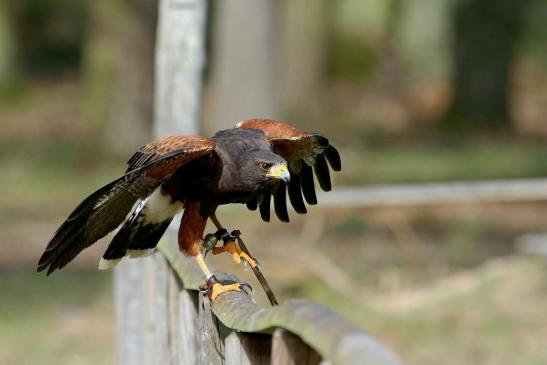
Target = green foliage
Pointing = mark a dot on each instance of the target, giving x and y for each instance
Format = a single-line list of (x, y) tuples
[(486, 34), (535, 30), (7, 50), (425, 162), (51, 320), (351, 59), (50, 34), (45, 178), (351, 225), (463, 243)]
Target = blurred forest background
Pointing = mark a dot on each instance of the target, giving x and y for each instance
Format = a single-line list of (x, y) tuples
[(410, 91)]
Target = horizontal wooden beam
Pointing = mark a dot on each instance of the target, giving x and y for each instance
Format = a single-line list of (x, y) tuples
[(335, 339), (436, 193)]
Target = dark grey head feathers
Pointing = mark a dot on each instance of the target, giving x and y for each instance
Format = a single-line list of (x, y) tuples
[(247, 158)]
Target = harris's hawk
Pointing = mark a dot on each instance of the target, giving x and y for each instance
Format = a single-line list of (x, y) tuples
[(253, 163)]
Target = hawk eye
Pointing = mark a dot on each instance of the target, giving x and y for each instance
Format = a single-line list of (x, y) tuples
[(265, 165)]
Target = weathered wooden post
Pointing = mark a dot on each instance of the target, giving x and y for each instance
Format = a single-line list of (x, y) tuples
[(161, 318), (244, 73), (143, 288)]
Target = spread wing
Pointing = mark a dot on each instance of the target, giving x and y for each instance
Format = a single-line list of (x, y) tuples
[(105, 209), (306, 154)]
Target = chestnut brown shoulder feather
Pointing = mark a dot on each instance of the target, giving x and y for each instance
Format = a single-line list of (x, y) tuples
[(181, 145)]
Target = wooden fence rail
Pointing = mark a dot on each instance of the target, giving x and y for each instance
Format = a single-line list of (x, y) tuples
[(237, 331), (483, 191), (161, 319)]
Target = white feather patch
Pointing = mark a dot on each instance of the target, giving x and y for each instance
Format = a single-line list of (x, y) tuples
[(159, 207), (105, 264), (140, 253)]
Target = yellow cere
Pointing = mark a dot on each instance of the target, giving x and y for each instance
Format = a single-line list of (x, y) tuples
[(278, 170)]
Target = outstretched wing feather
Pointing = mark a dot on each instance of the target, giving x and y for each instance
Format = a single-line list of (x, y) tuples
[(333, 157), (322, 172), (310, 152), (265, 207), (105, 209), (308, 186), (295, 194), (252, 204), (280, 203)]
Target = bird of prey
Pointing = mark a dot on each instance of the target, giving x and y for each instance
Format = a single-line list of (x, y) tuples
[(256, 161)]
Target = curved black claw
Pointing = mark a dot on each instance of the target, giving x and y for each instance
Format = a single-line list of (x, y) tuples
[(235, 235), (245, 287)]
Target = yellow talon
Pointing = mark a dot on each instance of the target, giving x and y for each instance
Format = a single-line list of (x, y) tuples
[(237, 254), (218, 289)]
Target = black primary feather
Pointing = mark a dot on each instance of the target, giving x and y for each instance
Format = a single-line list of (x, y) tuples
[(265, 207), (135, 235), (252, 204), (322, 173), (308, 187), (147, 236), (96, 216), (333, 157), (120, 243), (139, 159), (100, 213), (295, 195), (72, 237), (280, 203)]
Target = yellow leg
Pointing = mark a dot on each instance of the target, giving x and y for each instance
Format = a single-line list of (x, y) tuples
[(212, 287), (203, 266), (237, 254), (231, 247), (218, 289)]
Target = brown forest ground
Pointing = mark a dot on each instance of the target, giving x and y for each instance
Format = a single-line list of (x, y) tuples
[(442, 285)]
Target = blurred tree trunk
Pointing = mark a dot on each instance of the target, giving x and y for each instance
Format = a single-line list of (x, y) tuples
[(244, 74), (388, 71), (7, 49), (485, 38), (119, 71), (304, 45)]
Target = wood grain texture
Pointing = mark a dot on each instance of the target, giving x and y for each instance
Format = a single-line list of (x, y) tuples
[(289, 349), (247, 349), (485, 191), (335, 339), (188, 327), (209, 349), (244, 79), (157, 323), (141, 310), (180, 57)]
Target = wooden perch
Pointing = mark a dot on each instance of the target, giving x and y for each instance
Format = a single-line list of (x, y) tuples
[(161, 318), (333, 338)]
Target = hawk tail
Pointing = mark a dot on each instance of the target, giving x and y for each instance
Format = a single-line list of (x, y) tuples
[(142, 231), (134, 239)]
